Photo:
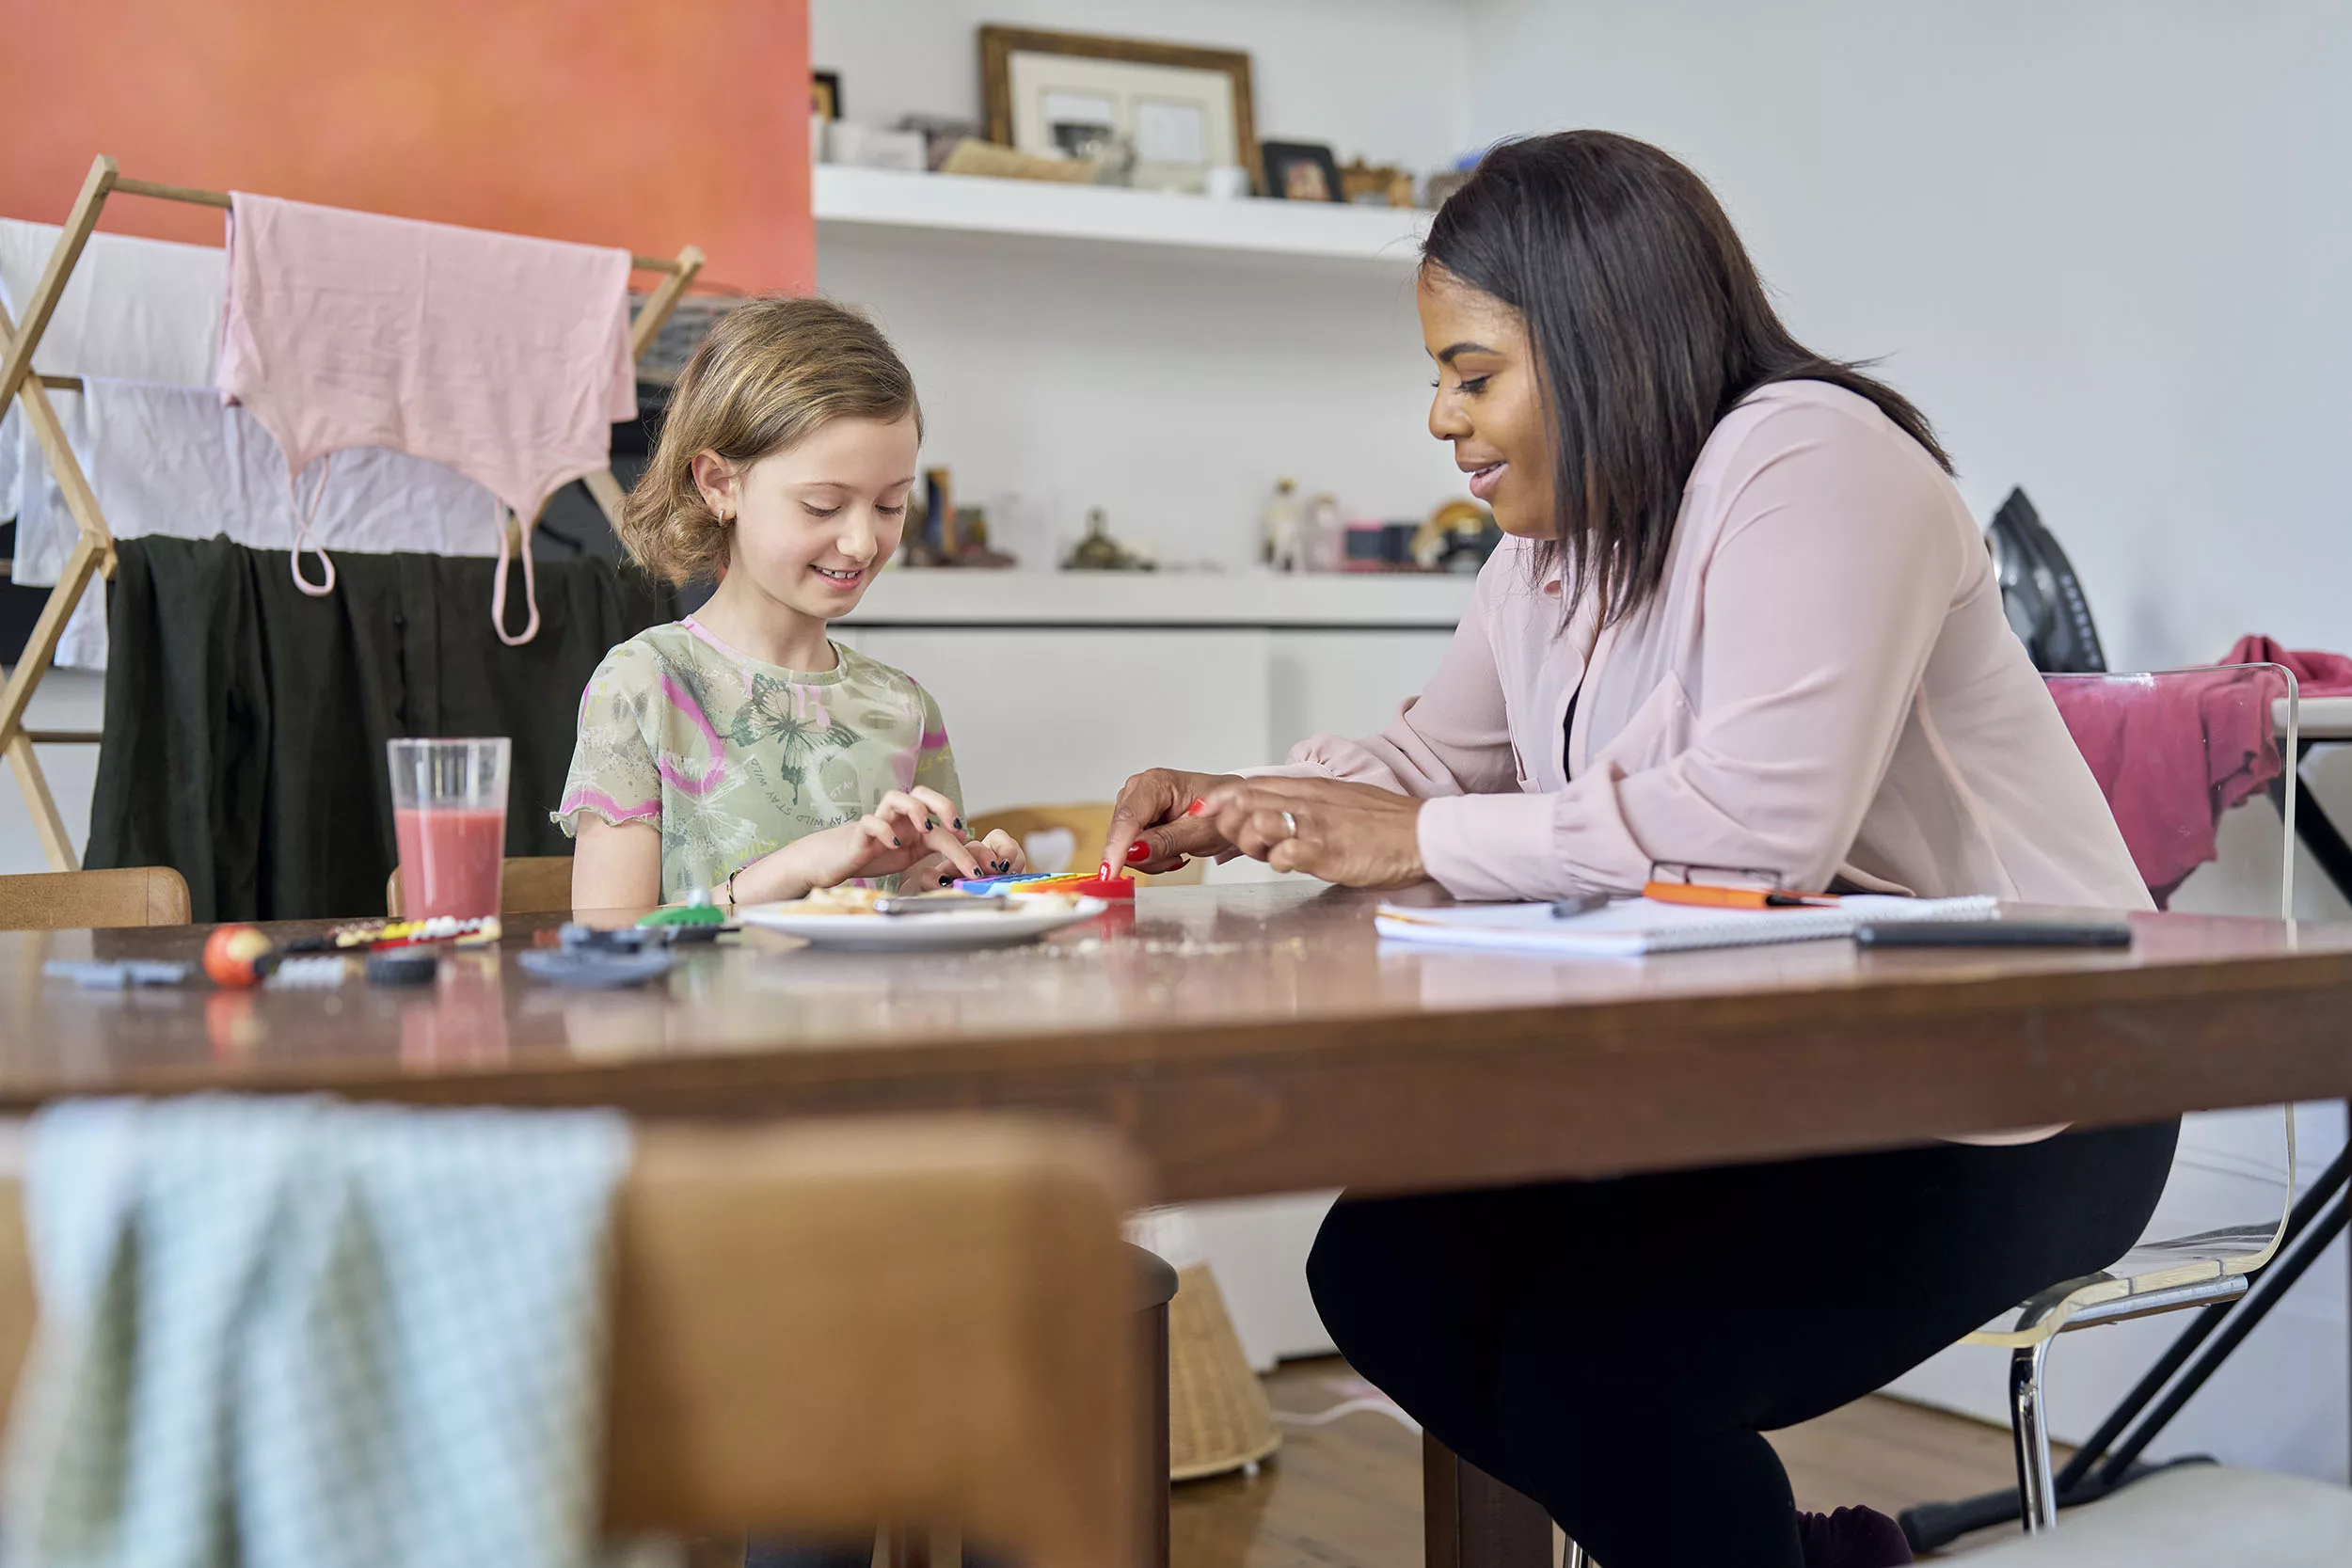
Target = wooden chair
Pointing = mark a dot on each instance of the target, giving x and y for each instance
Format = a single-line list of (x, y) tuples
[(821, 1325), (1087, 824), (71, 900), (528, 884)]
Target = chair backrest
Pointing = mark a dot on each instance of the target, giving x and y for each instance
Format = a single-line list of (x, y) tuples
[(71, 900), (1086, 823), (816, 1328), (528, 884)]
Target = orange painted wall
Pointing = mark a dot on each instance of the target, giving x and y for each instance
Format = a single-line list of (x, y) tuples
[(649, 124)]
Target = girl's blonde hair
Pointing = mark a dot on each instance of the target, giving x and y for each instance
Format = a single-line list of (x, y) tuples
[(770, 374)]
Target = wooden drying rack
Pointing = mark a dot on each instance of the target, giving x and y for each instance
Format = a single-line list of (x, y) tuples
[(93, 553)]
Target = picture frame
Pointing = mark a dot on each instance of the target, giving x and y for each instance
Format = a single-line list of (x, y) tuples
[(1176, 110), (824, 94), (1302, 171)]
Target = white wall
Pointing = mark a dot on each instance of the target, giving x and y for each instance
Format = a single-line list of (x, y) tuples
[(2103, 243), (2106, 245)]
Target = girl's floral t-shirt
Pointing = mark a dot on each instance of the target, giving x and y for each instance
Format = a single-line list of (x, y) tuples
[(732, 757)]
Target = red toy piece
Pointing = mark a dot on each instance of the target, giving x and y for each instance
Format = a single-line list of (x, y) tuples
[(1106, 886), (238, 956)]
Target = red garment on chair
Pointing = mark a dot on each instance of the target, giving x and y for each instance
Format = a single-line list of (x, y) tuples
[(2170, 757), (2316, 675)]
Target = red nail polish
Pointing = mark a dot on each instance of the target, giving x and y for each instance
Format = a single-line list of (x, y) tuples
[(1105, 874), (1199, 807), (1138, 853)]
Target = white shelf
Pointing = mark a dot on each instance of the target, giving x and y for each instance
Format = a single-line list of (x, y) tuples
[(956, 596), (853, 202)]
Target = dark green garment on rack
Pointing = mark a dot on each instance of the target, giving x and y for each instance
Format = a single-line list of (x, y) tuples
[(245, 721)]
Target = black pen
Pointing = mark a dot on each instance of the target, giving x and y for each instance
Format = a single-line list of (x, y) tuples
[(1583, 903)]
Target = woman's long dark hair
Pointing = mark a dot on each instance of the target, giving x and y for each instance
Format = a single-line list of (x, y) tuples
[(1648, 323)]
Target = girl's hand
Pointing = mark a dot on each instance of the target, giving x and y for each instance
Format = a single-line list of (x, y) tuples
[(905, 827), (1354, 835), (999, 855), (1152, 812)]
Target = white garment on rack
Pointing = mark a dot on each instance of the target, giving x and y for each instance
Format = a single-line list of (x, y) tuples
[(15, 436), (174, 460), (142, 310)]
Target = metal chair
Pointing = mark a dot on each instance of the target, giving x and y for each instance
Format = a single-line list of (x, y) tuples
[(72, 900), (2238, 724)]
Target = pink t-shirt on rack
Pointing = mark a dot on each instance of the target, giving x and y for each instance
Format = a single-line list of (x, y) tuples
[(504, 357)]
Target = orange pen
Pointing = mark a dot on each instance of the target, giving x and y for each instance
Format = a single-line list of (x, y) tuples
[(1735, 897)]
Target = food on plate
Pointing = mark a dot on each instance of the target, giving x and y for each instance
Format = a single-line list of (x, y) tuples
[(863, 900)]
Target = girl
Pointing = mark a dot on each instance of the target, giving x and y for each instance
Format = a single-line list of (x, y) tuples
[(741, 749)]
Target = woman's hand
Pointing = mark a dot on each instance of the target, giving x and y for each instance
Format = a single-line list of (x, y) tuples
[(905, 827), (1354, 835), (999, 854), (1150, 813)]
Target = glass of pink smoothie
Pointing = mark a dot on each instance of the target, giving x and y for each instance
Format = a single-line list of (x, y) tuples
[(449, 811)]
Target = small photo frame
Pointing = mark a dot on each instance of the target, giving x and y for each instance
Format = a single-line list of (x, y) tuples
[(1302, 171), (824, 94)]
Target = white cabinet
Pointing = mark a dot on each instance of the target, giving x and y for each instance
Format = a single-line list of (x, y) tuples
[(1345, 682), (1042, 715), (1056, 687)]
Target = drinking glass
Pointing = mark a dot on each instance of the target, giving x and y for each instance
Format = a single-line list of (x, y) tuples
[(449, 812)]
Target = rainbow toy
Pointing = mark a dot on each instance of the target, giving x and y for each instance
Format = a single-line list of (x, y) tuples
[(1086, 884)]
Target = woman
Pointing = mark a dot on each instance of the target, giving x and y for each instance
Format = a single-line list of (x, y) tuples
[(1744, 620)]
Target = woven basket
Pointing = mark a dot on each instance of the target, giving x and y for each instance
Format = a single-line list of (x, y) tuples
[(1217, 1414)]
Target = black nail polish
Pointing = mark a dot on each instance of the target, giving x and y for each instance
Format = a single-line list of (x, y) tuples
[(1003, 865), (896, 845), (946, 878), (960, 828), (931, 824)]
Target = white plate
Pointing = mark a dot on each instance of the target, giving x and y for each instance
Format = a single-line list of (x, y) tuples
[(1025, 921)]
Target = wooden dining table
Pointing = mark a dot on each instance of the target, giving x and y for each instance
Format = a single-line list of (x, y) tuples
[(1261, 1039)]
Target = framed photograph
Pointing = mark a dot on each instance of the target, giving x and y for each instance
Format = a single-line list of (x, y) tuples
[(1302, 171), (1179, 111), (824, 94)]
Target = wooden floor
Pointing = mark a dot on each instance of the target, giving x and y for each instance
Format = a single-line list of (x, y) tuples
[(1348, 1495)]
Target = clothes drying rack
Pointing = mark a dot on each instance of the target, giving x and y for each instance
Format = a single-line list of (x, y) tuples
[(93, 553)]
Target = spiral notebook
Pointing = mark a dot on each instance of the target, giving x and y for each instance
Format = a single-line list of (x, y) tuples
[(1630, 928)]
